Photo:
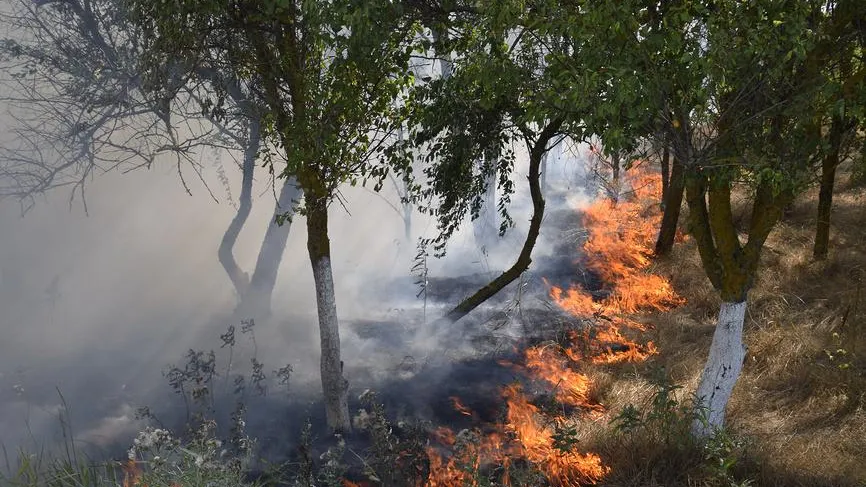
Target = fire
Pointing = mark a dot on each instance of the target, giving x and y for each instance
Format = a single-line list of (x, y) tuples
[(571, 388), (618, 251), (459, 407), (131, 474), (563, 467), (459, 468)]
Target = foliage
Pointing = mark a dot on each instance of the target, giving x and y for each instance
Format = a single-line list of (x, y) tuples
[(199, 462), (519, 72), (328, 74), (664, 423), (396, 455)]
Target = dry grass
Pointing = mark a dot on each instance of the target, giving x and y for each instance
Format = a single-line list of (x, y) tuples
[(801, 396), (800, 401)]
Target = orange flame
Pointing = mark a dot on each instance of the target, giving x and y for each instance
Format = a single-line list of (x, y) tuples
[(459, 407), (571, 387), (618, 251), (131, 474), (561, 467)]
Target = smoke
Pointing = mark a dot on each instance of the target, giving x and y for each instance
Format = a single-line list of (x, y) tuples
[(94, 306)]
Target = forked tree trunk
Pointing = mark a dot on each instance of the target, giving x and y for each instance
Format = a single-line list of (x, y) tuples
[(256, 301), (334, 386), (239, 278), (731, 268), (723, 367), (673, 202)]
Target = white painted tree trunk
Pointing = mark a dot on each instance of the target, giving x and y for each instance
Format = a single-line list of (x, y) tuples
[(334, 385), (722, 370)]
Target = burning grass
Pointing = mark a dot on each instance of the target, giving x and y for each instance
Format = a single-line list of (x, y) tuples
[(797, 415), (800, 400), (589, 409), (617, 250)]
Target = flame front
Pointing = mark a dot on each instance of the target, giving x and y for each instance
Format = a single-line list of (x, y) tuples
[(563, 467), (618, 250), (571, 388)]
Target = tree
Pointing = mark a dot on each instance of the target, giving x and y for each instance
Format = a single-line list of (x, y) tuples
[(841, 128), (329, 75), (844, 75), (74, 100), (512, 80), (757, 131), (79, 110), (670, 66)]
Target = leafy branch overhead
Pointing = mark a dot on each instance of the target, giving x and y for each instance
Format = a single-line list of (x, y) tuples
[(512, 68), (312, 66)]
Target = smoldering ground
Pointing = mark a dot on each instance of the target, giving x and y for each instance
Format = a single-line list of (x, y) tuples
[(95, 307)]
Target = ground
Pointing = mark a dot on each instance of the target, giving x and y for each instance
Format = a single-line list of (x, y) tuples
[(796, 417), (799, 404)]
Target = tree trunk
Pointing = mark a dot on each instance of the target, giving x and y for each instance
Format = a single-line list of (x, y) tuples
[(543, 170), (672, 202), (666, 169), (407, 204), (731, 267), (407, 217), (721, 371), (525, 256), (825, 195), (825, 206), (256, 302), (240, 279), (334, 386)]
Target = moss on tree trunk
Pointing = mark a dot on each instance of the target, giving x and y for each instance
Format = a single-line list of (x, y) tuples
[(731, 267)]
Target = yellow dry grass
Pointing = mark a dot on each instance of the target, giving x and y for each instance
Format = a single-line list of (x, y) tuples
[(800, 400)]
